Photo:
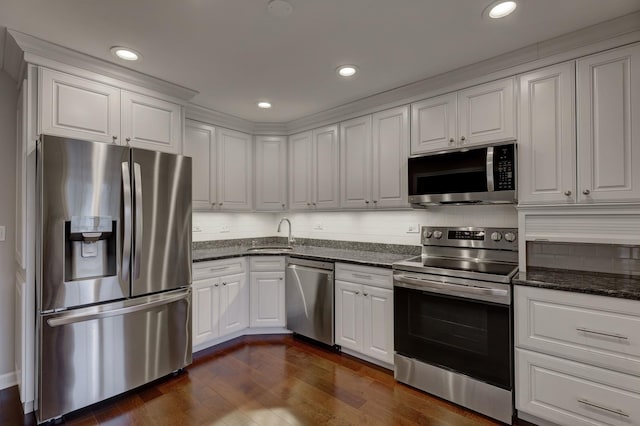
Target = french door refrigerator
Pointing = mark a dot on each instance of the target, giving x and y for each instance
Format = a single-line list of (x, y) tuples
[(113, 270)]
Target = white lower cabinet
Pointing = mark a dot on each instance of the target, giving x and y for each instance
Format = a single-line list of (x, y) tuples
[(267, 292), (220, 299), (364, 311), (577, 357)]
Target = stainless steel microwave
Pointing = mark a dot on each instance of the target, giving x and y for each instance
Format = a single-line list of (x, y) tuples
[(484, 175)]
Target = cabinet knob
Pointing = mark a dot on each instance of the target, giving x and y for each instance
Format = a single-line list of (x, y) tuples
[(114, 139), (451, 141), (224, 283), (365, 294), (308, 204), (128, 140), (357, 293), (283, 205), (463, 139), (567, 193), (313, 204), (375, 201), (366, 201), (219, 204), (586, 192), (215, 285)]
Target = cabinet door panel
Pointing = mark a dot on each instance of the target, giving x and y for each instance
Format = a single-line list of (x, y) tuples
[(377, 323), (234, 315), (300, 153), (235, 170), (355, 163), (486, 113), (206, 302), (546, 143), (326, 175), (608, 88), (200, 145), (77, 108), (151, 123), (267, 299), (271, 173), (433, 124), (390, 142), (348, 313)]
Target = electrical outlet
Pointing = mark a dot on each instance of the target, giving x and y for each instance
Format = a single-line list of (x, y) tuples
[(2, 233), (196, 228), (224, 228), (318, 227), (413, 229)]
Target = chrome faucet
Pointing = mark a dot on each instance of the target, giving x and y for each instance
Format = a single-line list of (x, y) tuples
[(290, 239)]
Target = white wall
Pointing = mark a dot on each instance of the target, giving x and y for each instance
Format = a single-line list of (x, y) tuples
[(8, 99), (380, 227)]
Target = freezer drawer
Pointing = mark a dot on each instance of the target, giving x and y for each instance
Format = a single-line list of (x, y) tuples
[(90, 354)]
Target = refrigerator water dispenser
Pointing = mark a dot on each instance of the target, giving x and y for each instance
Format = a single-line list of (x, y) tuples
[(90, 250)]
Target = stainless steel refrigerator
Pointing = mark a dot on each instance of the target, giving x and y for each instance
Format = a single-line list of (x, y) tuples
[(113, 270)]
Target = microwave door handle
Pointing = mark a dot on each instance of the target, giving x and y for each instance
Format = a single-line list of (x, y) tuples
[(490, 182), (137, 185), (126, 240)]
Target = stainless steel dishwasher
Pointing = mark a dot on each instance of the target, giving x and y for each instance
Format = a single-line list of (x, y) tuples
[(309, 299)]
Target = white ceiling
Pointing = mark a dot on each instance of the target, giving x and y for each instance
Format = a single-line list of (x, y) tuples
[(235, 54)]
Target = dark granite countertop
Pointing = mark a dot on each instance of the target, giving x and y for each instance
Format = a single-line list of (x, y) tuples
[(368, 258), (612, 285)]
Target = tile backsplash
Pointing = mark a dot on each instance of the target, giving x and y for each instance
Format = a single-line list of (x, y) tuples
[(607, 258)]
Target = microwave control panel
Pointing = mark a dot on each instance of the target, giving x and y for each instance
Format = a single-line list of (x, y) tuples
[(504, 168)]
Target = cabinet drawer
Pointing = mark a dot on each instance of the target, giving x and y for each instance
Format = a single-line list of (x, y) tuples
[(571, 393), (598, 330), (218, 268), (377, 277), (267, 263)]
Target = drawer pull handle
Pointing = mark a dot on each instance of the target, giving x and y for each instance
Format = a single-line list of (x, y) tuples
[(602, 407), (366, 277), (602, 333), (219, 268)]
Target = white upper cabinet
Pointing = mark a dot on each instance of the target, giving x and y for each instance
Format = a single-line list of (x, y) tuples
[(235, 170), (478, 115), (373, 160), (271, 173), (79, 108), (326, 174), (390, 140), (200, 145), (355, 163), (546, 140), (151, 123), (74, 107), (314, 169), (608, 105)]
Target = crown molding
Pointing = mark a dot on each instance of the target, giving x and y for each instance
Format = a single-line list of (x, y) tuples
[(41, 52), (270, 129), (13, 59), (585, 41), (210, 116)]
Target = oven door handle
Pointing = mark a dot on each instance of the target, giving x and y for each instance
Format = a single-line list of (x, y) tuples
[(445, 288)]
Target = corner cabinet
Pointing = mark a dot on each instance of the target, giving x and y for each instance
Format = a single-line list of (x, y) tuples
[(364, 311), (478, 115), (598, 97), (79, 108), (373, 160), (314, 169), (200, 145), (271, 173), (267, 292)]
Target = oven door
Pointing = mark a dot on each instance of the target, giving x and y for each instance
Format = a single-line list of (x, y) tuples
[(472, 337)]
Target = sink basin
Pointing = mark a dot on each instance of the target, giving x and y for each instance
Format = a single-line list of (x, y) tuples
[(270, 249)]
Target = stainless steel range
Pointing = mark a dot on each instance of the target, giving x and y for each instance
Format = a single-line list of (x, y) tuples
[(452, 316)]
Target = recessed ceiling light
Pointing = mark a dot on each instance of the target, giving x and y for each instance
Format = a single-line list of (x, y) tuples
[(264, 104), (500, 9), (125, 53), (279, 8), (347, 70)]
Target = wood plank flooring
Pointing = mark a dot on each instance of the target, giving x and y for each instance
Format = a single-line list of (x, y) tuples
[(267, 380)]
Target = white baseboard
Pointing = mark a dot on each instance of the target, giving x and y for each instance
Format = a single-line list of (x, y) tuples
[(7, 380)]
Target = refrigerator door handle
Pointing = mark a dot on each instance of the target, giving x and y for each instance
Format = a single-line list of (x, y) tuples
[(137, 184), (94, 313), (126, 242)]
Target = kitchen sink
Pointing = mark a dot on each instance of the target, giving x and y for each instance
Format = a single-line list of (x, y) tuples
[(270, 249)]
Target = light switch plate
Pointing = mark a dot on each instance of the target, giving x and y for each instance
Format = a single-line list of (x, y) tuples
[(2, 233), (196, 228), (413, 228), (224, 229)]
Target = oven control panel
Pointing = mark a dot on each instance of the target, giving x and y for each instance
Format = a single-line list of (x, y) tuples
[(476, 237)]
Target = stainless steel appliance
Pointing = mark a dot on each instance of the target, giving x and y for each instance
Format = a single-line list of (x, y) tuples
[(452, 317), (113, 270), (471, 176), (309, 301)]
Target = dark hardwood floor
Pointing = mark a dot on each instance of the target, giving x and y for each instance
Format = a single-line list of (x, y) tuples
[(266, 380)]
